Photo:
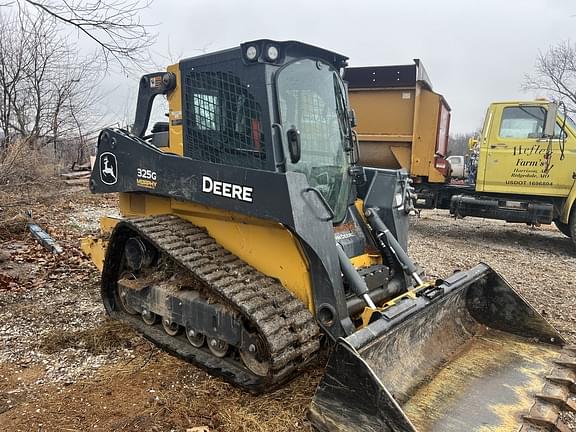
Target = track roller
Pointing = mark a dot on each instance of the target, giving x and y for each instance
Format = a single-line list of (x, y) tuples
[(195, 338), (217, 347), (171, 328), (149, 317)]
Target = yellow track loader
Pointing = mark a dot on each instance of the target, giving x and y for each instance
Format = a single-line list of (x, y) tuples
[(251, 239)]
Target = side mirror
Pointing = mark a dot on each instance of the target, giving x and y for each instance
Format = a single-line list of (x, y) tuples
[(551, 120), (294, 144)]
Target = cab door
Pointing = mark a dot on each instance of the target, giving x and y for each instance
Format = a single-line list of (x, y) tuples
[(516, 159)]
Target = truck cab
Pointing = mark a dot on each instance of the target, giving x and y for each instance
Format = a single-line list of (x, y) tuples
[(516, 156), (526, 159)]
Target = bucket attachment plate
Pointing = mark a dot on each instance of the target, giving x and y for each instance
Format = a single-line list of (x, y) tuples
[(477, 357)]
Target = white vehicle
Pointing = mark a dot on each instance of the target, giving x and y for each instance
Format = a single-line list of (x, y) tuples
[(458, 166)]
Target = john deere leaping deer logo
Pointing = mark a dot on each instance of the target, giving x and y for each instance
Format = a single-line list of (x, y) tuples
[(108, 168)]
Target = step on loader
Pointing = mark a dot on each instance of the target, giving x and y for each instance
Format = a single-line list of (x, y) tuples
[(251, 239)]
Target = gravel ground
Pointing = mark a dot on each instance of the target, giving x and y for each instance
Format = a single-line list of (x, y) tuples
[(65, 366), (539, 262)]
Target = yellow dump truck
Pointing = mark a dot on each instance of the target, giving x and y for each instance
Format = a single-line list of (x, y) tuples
[(522, 167)]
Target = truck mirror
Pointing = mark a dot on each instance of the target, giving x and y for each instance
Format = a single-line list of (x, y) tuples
[(551, 120), (294, 145)]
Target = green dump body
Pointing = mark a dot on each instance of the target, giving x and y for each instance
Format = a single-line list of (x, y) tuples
[(472, 356)]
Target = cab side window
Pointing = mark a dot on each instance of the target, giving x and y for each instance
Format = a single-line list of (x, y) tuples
[(158, 127), (559, 133), (522, 122)]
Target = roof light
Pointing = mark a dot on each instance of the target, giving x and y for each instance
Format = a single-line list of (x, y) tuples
[(251, 53), (272, 53)]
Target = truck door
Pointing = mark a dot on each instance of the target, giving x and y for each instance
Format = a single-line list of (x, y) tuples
[(515, 162)]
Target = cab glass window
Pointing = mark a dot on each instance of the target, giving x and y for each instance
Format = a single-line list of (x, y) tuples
[(522, 122), (206, 113), (158, 113), (559, 133)]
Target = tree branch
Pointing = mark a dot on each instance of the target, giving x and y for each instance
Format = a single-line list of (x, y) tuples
[(113, 25), (555, 72)]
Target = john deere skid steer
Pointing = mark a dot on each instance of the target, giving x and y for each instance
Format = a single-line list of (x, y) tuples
[(251, 239)]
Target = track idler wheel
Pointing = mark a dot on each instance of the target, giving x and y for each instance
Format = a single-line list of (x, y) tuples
[(257, 367), (137, 254)]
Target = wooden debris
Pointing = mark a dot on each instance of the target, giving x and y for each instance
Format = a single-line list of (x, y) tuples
[(78, 181), (76, 174)]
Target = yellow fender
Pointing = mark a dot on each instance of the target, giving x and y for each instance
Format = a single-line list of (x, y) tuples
[(95, 247), (567, 207)]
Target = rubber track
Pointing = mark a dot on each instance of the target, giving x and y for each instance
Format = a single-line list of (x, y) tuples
[(288, 330)]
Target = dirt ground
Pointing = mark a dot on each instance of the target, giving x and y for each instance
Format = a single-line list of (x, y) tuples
[(65, 367)]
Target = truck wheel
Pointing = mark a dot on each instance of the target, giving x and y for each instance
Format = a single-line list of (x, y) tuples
[(563, 228)]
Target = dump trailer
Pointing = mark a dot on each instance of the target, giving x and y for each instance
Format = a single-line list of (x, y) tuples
[(521, 166), (401, 122), (251, 240)]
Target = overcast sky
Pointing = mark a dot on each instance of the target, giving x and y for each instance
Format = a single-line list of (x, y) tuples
[(475, 52)]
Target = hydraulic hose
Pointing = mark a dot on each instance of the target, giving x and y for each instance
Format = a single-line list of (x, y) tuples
[(387, 240)]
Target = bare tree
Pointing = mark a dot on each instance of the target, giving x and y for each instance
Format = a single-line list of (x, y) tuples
[(458, 143), (113, 25), (49, 92), (75, 112), (10, 73), (555, 73)]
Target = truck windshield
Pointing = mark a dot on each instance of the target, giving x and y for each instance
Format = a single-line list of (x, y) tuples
[(312, 99)]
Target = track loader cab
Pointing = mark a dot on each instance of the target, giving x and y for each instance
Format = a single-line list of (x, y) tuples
[(266, 131), (248, 230)]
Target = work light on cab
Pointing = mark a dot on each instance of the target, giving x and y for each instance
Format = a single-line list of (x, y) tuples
[(251, 53)]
